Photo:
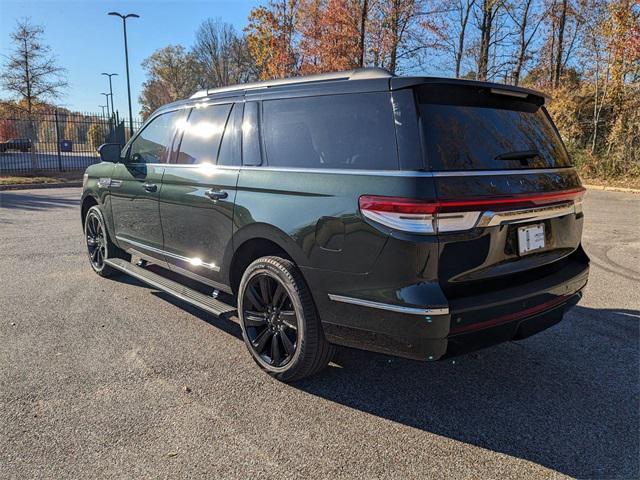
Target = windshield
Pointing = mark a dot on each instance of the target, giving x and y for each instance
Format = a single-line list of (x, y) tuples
[(471, 129)]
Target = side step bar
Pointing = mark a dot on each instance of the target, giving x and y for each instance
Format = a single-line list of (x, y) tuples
[(175, 289)]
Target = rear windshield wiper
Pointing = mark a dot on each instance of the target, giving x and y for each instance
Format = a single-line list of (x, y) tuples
[(518, 155)]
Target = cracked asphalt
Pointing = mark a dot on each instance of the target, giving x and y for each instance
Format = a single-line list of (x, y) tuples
[(111, 379)]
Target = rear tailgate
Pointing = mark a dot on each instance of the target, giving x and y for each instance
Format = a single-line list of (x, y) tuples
[(496, 154)]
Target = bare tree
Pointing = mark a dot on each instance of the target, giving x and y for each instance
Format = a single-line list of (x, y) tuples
[(30, 72), (486, 23), (557, 66), (222, 54), (527, 22)]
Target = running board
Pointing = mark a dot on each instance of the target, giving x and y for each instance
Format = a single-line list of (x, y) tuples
[(175, 289)]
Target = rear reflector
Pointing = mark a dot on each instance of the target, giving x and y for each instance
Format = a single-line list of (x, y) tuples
[(419, 216)]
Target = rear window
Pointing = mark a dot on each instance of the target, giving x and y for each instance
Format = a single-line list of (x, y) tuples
[(469, 128), (351, 131)]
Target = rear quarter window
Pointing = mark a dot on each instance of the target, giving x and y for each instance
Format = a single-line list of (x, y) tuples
[(350, 131), (471, 129)]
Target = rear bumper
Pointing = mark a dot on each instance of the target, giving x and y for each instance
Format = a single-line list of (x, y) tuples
[(472, 322)]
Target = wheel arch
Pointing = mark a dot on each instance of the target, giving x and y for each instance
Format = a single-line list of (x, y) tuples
[(87, 202), (259, 240)]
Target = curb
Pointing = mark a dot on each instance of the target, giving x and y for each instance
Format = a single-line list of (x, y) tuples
[(29, 186), (611, 189)]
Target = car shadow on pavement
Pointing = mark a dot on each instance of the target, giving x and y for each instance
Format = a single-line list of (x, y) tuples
[(20, 201), (566, 399)]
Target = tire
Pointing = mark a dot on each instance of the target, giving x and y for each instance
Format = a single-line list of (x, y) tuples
[(99, 245), (272, 297)]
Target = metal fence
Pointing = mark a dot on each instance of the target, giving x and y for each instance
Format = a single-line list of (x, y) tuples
[(57, 141)]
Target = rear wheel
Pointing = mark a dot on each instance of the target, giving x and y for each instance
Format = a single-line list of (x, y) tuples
[(279, 322), (99, 246)]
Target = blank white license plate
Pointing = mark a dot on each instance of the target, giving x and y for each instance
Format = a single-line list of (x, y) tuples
[(530, 238)]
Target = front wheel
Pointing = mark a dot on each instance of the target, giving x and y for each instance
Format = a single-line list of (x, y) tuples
[(279, 322), (99, 246)]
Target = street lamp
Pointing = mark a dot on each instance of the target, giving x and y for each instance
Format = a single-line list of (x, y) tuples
[(103, 107), (106, 97), (110, 89), (126, 59)]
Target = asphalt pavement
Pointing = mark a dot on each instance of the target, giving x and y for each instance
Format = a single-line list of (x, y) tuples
[(111, 379)]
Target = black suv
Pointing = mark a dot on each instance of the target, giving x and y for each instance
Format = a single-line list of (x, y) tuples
[(418, 217)]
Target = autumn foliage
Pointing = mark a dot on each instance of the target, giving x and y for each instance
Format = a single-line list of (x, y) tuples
[(584, 53)]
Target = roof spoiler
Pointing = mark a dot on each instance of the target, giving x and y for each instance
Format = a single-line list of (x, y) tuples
[(495, 88)]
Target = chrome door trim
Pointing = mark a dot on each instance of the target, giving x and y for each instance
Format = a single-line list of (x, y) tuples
[(193, 261), (387, 306), (381, 173)]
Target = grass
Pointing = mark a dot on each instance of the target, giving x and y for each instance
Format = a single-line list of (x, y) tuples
[(27, 179)]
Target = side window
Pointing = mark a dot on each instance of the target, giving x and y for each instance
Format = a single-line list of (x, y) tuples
[(354, 131), (153, 143), (251, 135), (230, 146), (202, 134)]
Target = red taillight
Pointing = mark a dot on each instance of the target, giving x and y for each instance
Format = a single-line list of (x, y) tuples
[(512, 201), (419, 216)]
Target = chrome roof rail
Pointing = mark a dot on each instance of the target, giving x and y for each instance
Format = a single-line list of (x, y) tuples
[(356, 74)]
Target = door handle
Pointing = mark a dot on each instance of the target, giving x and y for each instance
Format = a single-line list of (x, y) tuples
[(150, 187), (216, 194)]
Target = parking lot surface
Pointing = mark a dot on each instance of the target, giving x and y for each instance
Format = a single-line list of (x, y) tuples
[(109, 378)]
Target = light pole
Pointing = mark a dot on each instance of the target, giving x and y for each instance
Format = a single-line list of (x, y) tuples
[(103, 107), (126, 59), (110, 89), (106, 97)]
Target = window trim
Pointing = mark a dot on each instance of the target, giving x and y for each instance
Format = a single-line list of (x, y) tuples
[(127, 148), (175, 152), (263, 147)]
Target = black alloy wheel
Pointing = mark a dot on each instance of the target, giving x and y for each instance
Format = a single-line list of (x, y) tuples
[(270, 320), (279, 320), (96, 240)]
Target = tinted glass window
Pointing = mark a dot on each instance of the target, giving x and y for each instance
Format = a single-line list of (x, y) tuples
[(202, 134), (482, 131), (230, 146), (251, 154), (153, 144), (334, 131)]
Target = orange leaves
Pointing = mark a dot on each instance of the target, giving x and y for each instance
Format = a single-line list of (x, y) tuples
[(330, 32)]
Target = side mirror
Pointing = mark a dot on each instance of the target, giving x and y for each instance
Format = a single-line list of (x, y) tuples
[(110, 152)]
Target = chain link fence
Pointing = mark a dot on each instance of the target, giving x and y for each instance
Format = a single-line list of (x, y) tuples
[(57, 141)]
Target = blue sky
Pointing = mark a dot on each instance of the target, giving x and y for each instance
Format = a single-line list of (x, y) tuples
[(87, 42)]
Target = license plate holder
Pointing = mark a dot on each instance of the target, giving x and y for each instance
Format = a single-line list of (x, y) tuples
[(531, 238)]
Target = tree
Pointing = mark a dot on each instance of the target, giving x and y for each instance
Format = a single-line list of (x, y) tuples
[(448, 25), (271, 38), (222, 55), (397, 34), (330, 34), (486, 20), (30, 71), (8, 129), (527, 22), (172, 73)]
